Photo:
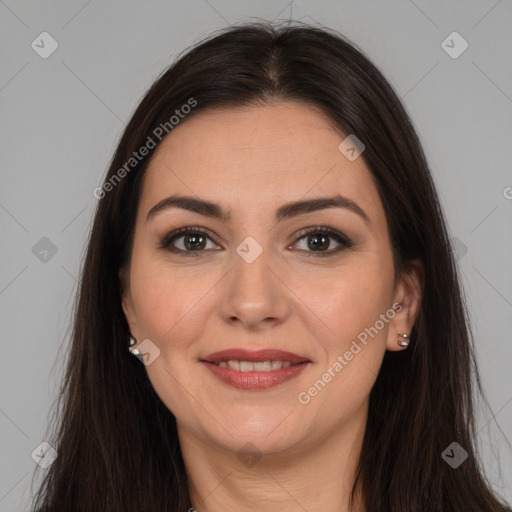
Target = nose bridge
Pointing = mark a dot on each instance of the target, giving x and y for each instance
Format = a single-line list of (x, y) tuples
[(253, 293), (251, 274)]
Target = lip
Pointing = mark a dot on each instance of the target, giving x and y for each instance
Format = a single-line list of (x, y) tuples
[(240, 354), (255, 380)]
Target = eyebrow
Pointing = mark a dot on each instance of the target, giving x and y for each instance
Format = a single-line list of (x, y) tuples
[(286, 211)]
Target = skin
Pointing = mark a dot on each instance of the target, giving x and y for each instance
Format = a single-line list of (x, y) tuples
[(251, 161)]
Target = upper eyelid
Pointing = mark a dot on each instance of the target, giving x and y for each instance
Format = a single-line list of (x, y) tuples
[(331, 232)]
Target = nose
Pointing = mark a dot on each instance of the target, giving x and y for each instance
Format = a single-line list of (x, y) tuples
[(254, 296)]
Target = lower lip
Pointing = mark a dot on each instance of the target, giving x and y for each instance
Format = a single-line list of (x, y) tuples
[(255, 380)]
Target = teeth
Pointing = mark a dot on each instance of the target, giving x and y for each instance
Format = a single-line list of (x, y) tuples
[(263, 366), (250, 366), (234, 365), (246, 366)]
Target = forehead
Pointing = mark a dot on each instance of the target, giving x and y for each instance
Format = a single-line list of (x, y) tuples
[(273, 132), (256, 156)]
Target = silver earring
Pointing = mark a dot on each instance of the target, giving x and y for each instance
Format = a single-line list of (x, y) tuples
[(135, 351), (405, 342)]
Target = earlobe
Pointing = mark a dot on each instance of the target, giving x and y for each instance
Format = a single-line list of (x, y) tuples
[(409, 296), (404, 341)]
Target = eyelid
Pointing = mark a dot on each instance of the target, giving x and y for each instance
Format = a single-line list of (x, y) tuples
[(344, 241), (323, 229), (167, 239)]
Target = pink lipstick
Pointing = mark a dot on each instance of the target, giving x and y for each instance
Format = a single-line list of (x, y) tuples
[(255, 370)]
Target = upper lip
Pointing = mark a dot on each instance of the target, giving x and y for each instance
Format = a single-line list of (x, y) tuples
[(240, 354)]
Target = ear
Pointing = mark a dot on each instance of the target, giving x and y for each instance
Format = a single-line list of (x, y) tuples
[(408, 294), (126, 300)]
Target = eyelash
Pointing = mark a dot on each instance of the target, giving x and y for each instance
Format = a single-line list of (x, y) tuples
[(345, 242)]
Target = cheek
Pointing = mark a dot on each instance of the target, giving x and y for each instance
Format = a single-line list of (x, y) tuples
[(349, 302), (347, 299), (173, 302), (169, 301)]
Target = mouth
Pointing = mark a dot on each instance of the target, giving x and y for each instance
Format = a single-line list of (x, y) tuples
[(250, 370), (254, 366), (240, 355)]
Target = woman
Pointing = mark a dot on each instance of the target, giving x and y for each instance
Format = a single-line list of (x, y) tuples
[(269, 315)]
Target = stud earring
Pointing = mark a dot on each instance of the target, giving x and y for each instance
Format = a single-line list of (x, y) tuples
[(405, 342), (135, 351)]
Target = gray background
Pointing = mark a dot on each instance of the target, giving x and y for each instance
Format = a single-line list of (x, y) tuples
[(61, 117)]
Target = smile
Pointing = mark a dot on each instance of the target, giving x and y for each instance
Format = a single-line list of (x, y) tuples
[(249, 366), (255, 376)]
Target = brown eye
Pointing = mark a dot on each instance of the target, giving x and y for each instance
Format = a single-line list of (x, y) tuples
[(318, 240), (192, 240), (189, 239)]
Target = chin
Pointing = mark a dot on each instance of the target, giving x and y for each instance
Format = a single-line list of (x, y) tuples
[(266, 436)]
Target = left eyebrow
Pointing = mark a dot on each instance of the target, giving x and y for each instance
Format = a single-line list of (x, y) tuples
[(292, 209), (285, 211)]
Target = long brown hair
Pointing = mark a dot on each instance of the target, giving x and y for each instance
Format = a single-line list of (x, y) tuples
[(117, 442)]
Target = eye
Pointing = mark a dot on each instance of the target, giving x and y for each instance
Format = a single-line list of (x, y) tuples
[(193, 239), (318, 239)]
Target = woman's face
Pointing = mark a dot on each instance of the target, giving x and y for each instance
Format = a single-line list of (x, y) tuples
[(253, 281)]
